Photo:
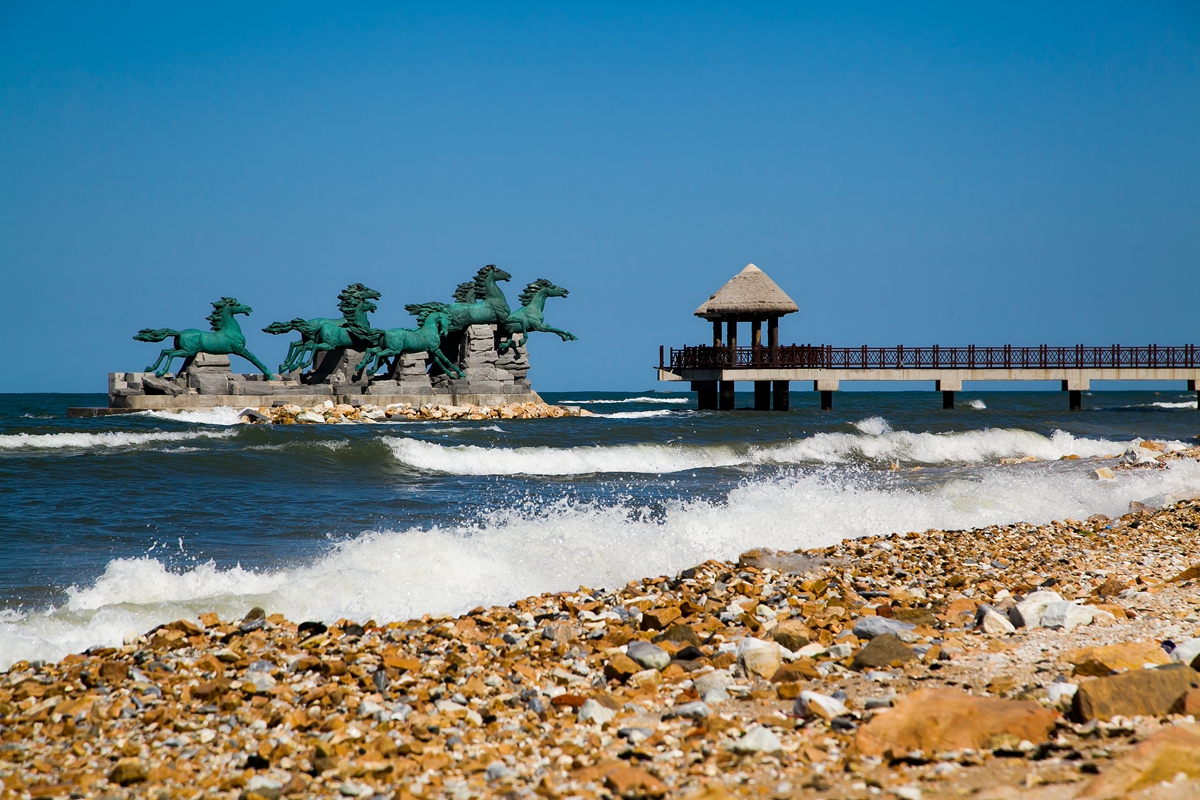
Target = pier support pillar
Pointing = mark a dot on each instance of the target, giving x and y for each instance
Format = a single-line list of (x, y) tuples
[(1193, 388), (762, 395), (826, 388), (781, 394), (726, 402), (706, 395), (1075, 387), (948, 386)]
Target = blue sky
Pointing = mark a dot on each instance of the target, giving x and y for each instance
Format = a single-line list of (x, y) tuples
[(916, 174)]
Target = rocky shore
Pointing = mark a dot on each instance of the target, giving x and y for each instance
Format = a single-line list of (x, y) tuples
[(331, 412), (1018, 661)]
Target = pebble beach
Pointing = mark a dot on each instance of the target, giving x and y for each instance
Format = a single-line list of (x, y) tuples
[(1013, 661)]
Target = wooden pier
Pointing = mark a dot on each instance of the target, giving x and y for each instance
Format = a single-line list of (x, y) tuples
[(713, 370)]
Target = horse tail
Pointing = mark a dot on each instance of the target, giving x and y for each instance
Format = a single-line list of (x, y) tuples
[(155, 334), (284, 327)]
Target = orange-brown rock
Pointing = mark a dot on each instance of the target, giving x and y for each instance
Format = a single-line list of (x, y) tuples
[(1158, 759), (935, 720), (1148, 692), (625, 781), (793, 634), (127, 771), (657, 619), (621, 667), (1112, 658), (1188, 704)]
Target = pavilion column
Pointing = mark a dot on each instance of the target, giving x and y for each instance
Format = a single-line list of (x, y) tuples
[(730, 342), (773, 332), (716, 333)]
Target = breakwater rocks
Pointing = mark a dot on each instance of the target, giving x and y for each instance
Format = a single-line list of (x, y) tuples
[(1040, 661), (341, 413)]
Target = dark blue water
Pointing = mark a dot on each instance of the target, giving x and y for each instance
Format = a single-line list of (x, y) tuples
[(122, 518)]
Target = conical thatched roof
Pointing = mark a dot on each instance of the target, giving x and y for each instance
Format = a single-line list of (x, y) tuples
[(748, 294)]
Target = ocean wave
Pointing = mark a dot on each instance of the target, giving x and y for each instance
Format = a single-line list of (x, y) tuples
[(658, 412), (105, 440), (559, 545), (876, 442), (977, 404), (631, 400), (219, 415), (1184, 404)]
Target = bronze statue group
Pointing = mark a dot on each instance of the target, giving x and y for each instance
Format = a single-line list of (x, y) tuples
[(476, 302)]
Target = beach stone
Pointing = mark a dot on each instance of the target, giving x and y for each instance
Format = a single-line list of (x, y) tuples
[(1187, 652), (128, 771), (793, 634), (626, 781), (995, 624), (650, 656), (265, 786), (915, 616), (696, 710), (1159, 759), (1146, 692), (1103, 474), (1067, 615), (882, 651), (758, 739), (759, 658), (815, 704), (1192, 573), (593, 712), (656, 619), (1061, 694), (1028, 612), (1189, 704), (935, 720), (498, 771), (646, 676), (870, 627), (716, 681), (1100, 661), (683, 634), (621, 667), (261, 682), (114, 671)]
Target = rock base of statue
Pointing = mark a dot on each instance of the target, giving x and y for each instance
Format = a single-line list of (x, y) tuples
[(490, 378)]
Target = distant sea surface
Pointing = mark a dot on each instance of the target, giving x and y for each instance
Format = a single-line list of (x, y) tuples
[(119, 523)]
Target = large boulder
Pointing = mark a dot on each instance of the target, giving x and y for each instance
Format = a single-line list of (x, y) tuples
[(1157, 760), (1145, 692), (936, 720)]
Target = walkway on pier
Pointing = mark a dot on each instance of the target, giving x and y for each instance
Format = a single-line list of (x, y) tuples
[(712, 371)]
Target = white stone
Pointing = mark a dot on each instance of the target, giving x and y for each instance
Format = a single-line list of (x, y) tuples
[(907, 792), (1067, 615), (1186, 652), (822, 704), (594, 712), (310, 417), (995, 624), (498, 771), (1028, 612), (261, 681), (757, 740), (811, 650), (1061, 693), (839, 651)]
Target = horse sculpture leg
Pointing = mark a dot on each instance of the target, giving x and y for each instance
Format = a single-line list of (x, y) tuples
[(170, 355), (445, 363), (246, 354)]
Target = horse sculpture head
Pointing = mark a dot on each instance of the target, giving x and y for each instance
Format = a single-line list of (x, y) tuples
[(541, 285), (481, 277), (356, 296), (440, 320), (226, 305)]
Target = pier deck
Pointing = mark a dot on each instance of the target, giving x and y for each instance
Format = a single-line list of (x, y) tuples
[(712, 371)]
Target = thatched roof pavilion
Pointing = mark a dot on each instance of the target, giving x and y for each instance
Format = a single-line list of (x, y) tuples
[(750, 296)]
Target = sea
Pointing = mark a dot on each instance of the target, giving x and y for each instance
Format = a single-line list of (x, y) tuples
[(110, 526)]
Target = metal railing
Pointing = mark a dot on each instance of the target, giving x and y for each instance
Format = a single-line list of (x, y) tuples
[(807, 356)]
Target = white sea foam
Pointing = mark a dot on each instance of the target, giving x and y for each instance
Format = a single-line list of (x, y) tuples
[(219, 415), (107, 439), (1185, 404), (977, 404), (510, 554), (632, 400), (876, 442), (658, 412)]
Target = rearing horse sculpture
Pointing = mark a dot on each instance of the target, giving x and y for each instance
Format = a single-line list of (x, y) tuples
[(321, 334), (225, 338), (529, 317), (466, 311)]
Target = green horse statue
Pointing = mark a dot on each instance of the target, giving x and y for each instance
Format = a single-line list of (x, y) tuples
[(225, 338), (321, 334), (395, 342), (466, 310), (529, 317)]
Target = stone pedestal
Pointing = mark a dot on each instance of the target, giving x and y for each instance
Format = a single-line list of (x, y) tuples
[(336, 367), (487, 372), (207, 374)]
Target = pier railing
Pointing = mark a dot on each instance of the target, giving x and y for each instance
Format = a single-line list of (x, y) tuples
[(807, 356)]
